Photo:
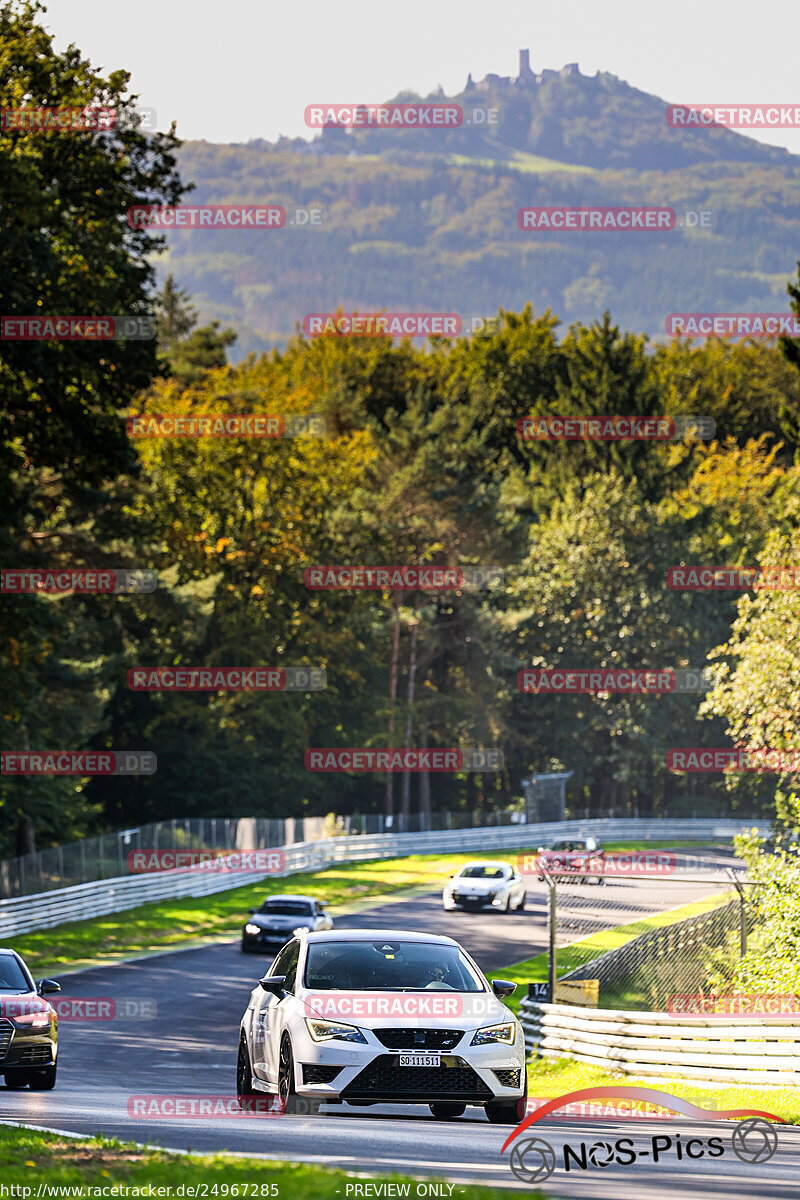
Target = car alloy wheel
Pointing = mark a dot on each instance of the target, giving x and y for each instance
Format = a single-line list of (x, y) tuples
[(244, 1074)]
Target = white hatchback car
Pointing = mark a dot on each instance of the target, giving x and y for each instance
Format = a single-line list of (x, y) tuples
[(485, 884), (382, 1017)]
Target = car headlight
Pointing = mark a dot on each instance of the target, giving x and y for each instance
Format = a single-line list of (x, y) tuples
[(301, 929), (323, 1031), (250, 928), (506, 1034), (34, 1018)]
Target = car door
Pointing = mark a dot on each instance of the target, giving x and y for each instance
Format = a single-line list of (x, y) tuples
[(280, 1006), (266, 1021), (517, 889)]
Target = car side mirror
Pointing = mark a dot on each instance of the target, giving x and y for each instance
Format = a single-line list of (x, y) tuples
[(252, 910), (502, 988), (273, 983), (46, 987)]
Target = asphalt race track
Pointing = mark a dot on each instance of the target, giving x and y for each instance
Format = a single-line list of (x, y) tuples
[(189, 1048)]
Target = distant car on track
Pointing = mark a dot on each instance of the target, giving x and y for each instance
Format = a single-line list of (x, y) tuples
[(279, 917), (382, 1017), (574, 859), (28, 1026), (485, 884)]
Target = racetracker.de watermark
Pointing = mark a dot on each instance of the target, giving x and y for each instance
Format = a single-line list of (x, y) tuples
[(221, 216), (396, 116), (227, 679), (400, 579), (226, 425), (202, 1107), (61, 582), (765, 759), (411, 1005), (761, 325), (92, 118), (80, 1008), (733, 579), (258, 862), (382, 324), (70, 328), (571, 680), (632, 863), (616, 218), (734, 116), (547, 428), (413, 759), (759, 1005), (71, 762)]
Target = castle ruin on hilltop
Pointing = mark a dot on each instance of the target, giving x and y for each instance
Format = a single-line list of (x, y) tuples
[(526, 78)]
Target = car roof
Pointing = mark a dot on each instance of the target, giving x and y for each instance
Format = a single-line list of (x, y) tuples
[(378, 935), (288, 896)]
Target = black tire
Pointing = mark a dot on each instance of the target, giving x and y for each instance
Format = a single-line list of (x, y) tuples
[(445, 1111), (244, 1075), (507, 906), (289, 1100), (521, 905), (16, 1080), (508, 1112), (245, 948), (43, 1079)]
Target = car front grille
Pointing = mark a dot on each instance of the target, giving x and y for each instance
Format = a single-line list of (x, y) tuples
[(419, 1039), (508, 1077), (35, 1056), (6, 1034), (316, 1073), (385, 1079)]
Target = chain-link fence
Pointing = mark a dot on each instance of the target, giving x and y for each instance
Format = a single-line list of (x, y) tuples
[(657, 930), (107, 856)]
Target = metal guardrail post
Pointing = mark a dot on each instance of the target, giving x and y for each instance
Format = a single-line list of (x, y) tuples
[(552, 922), (742, 912)]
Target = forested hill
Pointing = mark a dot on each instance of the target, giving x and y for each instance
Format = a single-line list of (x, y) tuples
[(427, 220)]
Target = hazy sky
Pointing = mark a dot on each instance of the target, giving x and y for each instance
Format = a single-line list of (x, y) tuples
[(233, 70)]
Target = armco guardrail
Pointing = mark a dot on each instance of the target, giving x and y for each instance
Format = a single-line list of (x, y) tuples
[(86, 900), (741, 1049)]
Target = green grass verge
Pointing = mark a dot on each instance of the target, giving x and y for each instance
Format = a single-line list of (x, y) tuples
[(549, 1077), (29, 1157)]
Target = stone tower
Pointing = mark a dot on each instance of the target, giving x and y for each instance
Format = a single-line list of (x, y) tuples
[(525, 71)]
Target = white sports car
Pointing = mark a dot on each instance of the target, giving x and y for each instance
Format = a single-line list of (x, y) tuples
[(382, 1017), (485, 885)]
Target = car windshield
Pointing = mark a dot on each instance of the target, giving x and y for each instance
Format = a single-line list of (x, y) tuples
[(12, 978), (389, 966), (482, 873), (568, 846), (287, 908)]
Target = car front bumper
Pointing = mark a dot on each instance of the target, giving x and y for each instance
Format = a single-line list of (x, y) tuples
[(26, 1047), (468, 1074)]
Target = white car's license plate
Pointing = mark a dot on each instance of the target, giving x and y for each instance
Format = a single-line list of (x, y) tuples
[(420, 1060)]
